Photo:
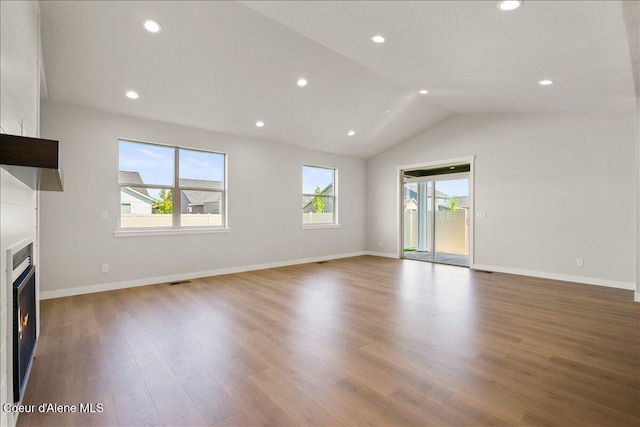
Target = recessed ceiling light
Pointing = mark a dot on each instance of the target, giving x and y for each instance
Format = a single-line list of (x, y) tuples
[(260, 123), (387, 111), (152, 26), (132, 95), (508, 5), (351, 132), (377, 39), (423, 92), (545, 82), (452, 167), (302, 82)]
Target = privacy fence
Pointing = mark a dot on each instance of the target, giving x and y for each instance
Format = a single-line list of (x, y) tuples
[(134, 220), (452, 232), (164, 220)]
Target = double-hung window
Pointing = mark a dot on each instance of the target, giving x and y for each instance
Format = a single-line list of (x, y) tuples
[(165, 186), (319, 195)]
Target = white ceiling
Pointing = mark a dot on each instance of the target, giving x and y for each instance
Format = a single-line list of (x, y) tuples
[(224, 65)]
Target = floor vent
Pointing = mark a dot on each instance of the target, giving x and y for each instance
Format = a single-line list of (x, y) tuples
[(180, 282), (322, 262)]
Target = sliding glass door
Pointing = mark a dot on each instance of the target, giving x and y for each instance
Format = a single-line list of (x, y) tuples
[(452, 221), (436, 216)]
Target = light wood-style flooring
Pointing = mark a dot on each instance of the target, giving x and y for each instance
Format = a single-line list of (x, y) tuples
[(359, 341)]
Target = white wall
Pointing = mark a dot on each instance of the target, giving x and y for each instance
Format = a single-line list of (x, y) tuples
[(19, 95), (637, 293), (554, 188), (265, 192)]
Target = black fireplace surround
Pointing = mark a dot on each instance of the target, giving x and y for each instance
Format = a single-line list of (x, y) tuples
[(24, 320)]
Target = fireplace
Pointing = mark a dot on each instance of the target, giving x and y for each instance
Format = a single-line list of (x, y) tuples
[(24, 316)]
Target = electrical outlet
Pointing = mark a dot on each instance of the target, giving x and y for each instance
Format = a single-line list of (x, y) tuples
[(105, 268), (579, 262), (105, 214), (380, 243), (298, 249)]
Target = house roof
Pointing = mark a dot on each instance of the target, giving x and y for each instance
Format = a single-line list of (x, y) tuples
[(200, 196), (201, 184), (197, 197), (414, 194), (133, 178), (135, 192), (408, 201)]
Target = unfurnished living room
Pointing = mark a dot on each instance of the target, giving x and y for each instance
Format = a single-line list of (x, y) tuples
[(332, 213)]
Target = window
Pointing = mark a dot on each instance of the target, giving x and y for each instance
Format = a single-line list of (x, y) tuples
[(319, 195), (170, 187)]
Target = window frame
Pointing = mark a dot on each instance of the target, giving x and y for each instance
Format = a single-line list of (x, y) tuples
[(334, 197), (176, 191)]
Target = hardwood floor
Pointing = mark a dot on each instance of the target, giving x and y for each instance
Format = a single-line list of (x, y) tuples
[(359, 341)]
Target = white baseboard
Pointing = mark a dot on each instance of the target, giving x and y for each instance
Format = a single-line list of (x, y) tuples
[(383, 254), (557, 276), (186, 276)]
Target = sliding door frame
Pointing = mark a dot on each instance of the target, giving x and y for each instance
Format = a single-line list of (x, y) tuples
[(432, 165)]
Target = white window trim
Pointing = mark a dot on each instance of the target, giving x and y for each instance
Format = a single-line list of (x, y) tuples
[(335, 223), (318, 226), (174, 229), (134, 232), (439, 163)]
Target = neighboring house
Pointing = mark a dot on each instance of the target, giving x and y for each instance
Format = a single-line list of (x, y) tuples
[(328, 207), (442, 199), (201, 201), (411, 191), (463, 202), (134, 199)]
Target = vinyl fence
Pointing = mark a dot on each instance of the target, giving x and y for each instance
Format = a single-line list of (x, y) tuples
[(199, 220), (317, 218), (452, 233), (164, 220)]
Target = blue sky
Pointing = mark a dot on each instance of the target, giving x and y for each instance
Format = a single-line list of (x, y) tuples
[(154, 163), (313, 177), (201, 165), (456, 187)]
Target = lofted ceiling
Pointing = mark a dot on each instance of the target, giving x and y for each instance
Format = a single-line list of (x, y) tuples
[(223, 66)]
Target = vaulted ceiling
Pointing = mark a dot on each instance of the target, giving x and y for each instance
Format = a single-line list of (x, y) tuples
[(223, 66)]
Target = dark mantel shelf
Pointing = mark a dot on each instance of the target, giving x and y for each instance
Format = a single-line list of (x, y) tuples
[(34, 161)]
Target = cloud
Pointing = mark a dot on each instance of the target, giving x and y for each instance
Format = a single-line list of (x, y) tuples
[(155, 164)]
